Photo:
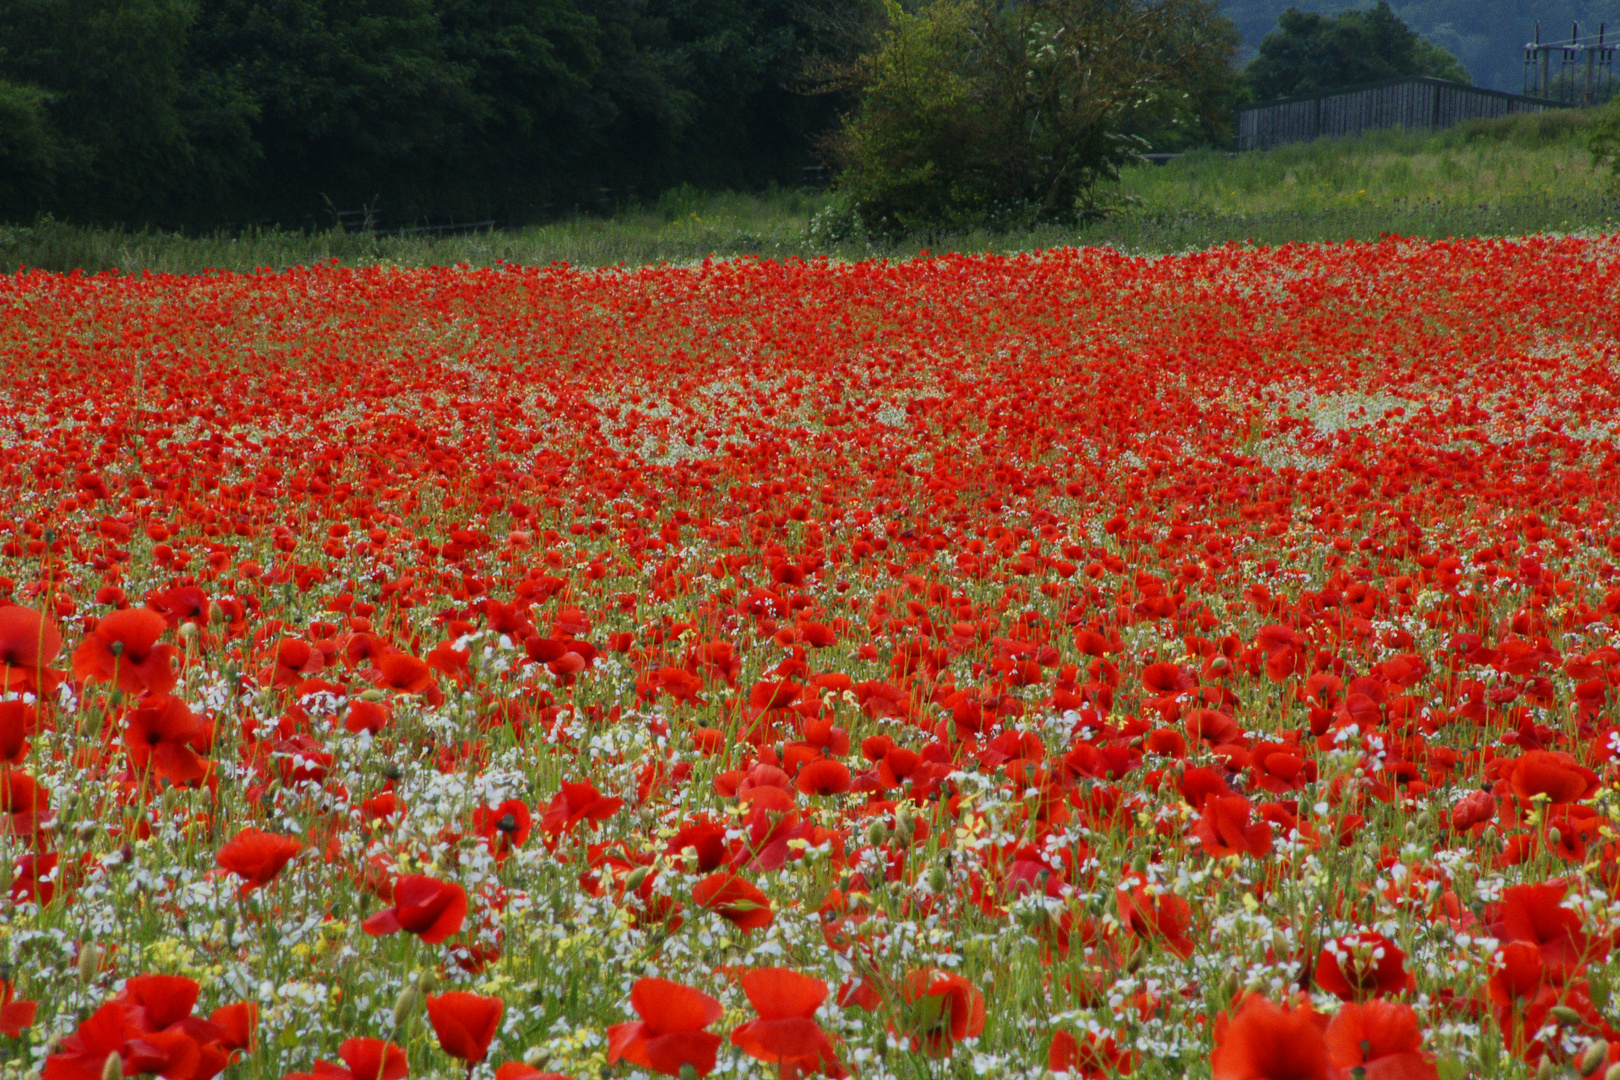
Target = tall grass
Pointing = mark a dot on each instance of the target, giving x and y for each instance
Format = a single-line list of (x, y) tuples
[(1514, 176)]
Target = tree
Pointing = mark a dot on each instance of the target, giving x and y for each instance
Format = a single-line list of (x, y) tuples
[(1309, 54), (111, 73), (1002, 114), (30, 151)]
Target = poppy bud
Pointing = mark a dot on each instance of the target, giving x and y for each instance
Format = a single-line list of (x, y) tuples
[(1547, 1070), (407, 1003), (87, 962), (1565, 1015), (876, 833), (1554, 835), (537, 1058), (1592, 1056), (636, 877), (1613, 1072), (936, 880), (113, 1067)]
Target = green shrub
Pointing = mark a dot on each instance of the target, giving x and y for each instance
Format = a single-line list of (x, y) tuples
[(1603, 137), (1000, 115)]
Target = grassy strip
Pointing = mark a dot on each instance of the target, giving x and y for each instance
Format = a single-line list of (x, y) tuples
[(1509, 177)]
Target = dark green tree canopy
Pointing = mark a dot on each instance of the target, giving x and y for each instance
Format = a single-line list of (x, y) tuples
[(1310, 53), (195, 113)]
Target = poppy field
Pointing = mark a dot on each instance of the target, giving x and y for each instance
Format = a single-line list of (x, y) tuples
[(1063, 664)]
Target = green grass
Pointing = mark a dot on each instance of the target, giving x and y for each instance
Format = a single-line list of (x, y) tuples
[(1516, 176)]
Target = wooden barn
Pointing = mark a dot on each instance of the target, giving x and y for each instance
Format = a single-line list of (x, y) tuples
[(1411, 102)]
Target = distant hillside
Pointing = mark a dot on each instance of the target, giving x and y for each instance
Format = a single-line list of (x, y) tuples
[(1488, 36)]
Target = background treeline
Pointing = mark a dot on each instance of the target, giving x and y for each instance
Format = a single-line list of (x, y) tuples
[(1486, 36), (193, 113), (197, 114)]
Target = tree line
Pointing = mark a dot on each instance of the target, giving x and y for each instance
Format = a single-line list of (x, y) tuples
[(195, 114)]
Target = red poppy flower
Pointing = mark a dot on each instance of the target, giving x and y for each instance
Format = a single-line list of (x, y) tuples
[(707, 841), (735, 900), (363, 1059), (293, 661), (1225, 828), (1379, 1040), (670, 1032), (1552, 774), (1093, 1059), (517, 1070), (1520, 975), (14, 1015), (506, 826), (28, 644), (940, 1010), (1362, 965), (256, 856), (404, 672), (18, 721), (786, 1031), (123, 649), (24, 800), (1475, 808), (1262, 1041), (465, 1023), (823, 776), (182, 603), (424, 906), (576, 803), (370, 716), (167, 1039), (84, 1054), (1535, 913), (160, 734), (1165, 678), (1160, 917)]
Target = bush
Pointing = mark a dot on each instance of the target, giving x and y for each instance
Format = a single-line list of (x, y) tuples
[(1603, 137), (979, 113)]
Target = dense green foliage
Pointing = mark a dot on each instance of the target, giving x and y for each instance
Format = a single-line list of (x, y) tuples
[(199, 112), (1486, 36), (1310, 53), (986, 113), (1604, 141)]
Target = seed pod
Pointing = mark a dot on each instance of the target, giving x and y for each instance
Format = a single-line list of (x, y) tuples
[(87, 962), (410, 999)]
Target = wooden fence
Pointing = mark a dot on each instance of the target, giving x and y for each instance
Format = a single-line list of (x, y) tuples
[(1413, 102)]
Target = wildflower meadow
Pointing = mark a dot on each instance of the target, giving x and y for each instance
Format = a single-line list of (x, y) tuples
[(1063, 664)]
